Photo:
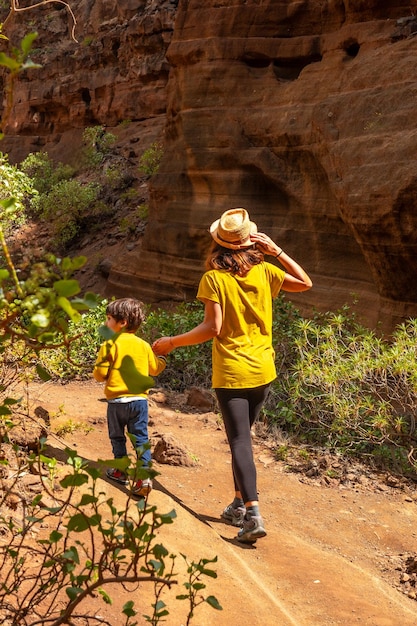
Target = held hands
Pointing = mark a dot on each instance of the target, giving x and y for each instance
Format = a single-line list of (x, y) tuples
[(162, 346), (265, 244)]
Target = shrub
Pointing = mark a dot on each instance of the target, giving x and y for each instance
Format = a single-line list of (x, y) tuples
[(67, 206), (151, 159), (97, 144), (16, 184), (78, 360), (43, 173), (351, 391)]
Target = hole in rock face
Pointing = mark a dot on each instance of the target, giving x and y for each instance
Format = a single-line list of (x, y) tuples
[(257, 61), (290, 69), (85, 95), (351, 48)]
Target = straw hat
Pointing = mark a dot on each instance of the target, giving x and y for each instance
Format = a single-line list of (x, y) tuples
[(233, 229)]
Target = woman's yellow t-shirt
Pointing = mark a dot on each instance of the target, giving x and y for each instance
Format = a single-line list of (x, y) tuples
[(242, 354)]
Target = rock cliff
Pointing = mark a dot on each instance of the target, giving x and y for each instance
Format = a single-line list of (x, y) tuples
[(303, 112)]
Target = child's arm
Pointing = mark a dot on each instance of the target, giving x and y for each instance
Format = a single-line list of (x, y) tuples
[(103, 362), (157, 364)]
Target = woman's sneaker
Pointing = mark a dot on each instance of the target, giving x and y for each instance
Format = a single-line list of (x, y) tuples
[(234, 515), (252, 529), (142, 488), (117, 475)]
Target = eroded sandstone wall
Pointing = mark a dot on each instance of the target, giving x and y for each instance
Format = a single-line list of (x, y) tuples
[(304, 112)]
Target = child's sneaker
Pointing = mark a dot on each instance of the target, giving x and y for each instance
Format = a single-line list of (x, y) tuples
[(252, 529), (142, 488), (117, 475), (234, 515)]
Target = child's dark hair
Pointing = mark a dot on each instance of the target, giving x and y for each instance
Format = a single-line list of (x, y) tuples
[(127, 310)]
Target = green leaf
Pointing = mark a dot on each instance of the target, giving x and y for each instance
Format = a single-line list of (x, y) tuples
[(71, 555), (55, 536), (65, 305), (198, 586), (42, 373), (4, 274), (40, 319), (8, 62), (73, 592), (74, 480), (209, 572), (120, 464), (27, 41), (105, 332), (9, 202), (168, 518), (91, 299), (128, 609), (78, 523), (67, 288), (105, 596), (213, 602), (136, 382), (87, 499), (78, 262)]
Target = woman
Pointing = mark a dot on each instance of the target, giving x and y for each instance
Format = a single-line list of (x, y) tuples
[(237, 290)]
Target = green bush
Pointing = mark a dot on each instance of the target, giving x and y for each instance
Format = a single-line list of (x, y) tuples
[(77, 362), (14, 183), (97, 145), (43, 173), (350, 391), (82, 545), (151, 159), (67, 206)]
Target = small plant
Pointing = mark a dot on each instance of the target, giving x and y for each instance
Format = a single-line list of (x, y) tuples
[(143, 211), (87, 41), (125, 225), (113, 176), (281, 453), (70, 427), (151, 159), (97, 145), (194, 586)]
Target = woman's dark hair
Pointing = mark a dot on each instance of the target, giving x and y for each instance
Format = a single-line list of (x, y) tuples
[(127, 310), (233, 261)]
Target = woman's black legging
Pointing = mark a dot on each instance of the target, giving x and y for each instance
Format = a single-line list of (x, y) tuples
[(240, 408)]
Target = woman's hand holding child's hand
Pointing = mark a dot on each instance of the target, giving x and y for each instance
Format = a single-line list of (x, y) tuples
[(162, 346)]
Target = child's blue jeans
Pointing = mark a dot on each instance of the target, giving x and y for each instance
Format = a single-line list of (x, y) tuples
[(131, 416)]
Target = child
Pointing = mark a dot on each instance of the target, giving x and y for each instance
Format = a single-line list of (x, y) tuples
[(124, 364)]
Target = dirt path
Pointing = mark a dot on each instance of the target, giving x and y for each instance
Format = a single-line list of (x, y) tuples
[(331, 552)]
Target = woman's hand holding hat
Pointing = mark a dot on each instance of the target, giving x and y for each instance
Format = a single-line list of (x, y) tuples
[(265, 244)]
